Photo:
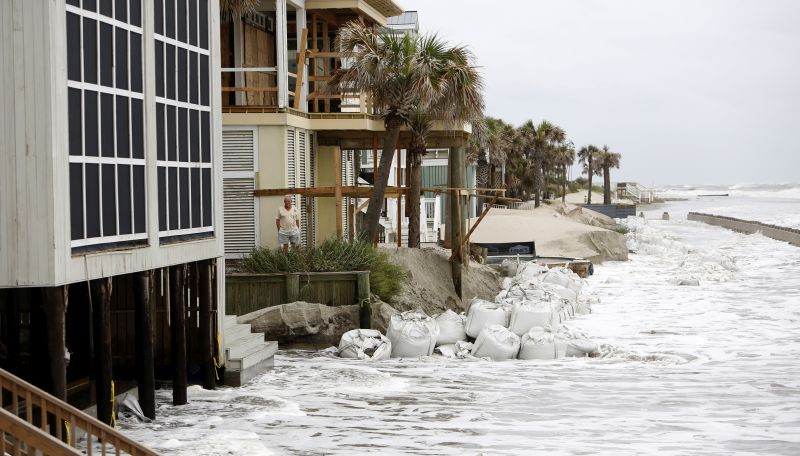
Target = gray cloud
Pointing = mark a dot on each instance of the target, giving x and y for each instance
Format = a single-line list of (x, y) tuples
[(689, 91)]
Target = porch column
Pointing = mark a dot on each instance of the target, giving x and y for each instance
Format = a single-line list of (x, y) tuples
[(280, 57), (300, 18)]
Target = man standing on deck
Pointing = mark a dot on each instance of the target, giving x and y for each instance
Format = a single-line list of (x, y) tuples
[(288, 224)]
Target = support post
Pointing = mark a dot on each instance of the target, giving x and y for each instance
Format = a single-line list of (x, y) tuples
[(145, 362), (101, 316), (398, 175), (280, 46), (364, 300), (337, 167), (455, 224), (292, 287), (206, 325), (55, 308), (178, 334), (12, 304)]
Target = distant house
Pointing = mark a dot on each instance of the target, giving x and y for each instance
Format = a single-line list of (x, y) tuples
[(283, 134), (110, 193)]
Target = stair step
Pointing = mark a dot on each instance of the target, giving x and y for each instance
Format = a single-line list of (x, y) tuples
[(240, 346), (254, 356), (229, 320), (236, 331)]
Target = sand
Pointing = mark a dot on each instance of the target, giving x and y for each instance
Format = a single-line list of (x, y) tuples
[(556, 234), (580, 198), (429, 284)]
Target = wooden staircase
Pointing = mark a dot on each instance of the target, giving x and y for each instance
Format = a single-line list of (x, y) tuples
[(34, 422)]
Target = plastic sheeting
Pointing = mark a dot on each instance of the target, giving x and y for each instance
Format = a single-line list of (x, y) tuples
[(528, 314), (541, 343), (367, 344), (413, 334), (451, 328), (496, 342), (484, 313)]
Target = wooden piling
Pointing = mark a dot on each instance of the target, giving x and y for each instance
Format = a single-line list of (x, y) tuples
[(292, 287), (364, 300), (101, 317), (455, 224), (178, 334), (55, 309), (145, 362), (206, 326)]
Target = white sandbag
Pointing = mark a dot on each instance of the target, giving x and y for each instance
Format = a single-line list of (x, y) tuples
[(584, 305), (564, 277), (484, 313), (459, 350), (529, 271), (496, 342), (561, 291), (506, 283), (577, 342), (368, 344), (541, 343), (413, 334), (451, 328), (528, 314)]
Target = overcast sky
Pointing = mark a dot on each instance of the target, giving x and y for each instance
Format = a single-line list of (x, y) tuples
[(688, 91)]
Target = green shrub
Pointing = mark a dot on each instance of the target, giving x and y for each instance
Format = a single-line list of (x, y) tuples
[(331, 255)]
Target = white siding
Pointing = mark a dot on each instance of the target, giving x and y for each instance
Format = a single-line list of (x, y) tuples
[(34, 185), (239, 165)]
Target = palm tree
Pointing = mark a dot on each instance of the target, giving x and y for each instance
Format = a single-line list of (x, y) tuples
[(539, 142), (232, 9), (605, 161), (460, 102), (587, 156), (403, 74), (564, 158)]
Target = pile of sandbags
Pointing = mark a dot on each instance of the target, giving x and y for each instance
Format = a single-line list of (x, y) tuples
[(452, 328), (541, 343), (483, 313), (413, 334), (496, 342), (459, 350), (367, 344)]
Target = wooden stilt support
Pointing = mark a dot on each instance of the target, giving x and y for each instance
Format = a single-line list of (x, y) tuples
[(101, 316), (12, 304), (55, 309), (206, 325), (457, 177), (145, 363), (178, 333)]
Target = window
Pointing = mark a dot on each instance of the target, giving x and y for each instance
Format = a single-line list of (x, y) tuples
[(106, 123), (183, 117)]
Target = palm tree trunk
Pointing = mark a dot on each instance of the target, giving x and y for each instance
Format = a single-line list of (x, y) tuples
[(373, 217), (606, 185), (564, 185), (537, 185), (414, 198), (591, 173)]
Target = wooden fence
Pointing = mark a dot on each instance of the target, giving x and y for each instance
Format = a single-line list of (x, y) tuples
[(245, 293)]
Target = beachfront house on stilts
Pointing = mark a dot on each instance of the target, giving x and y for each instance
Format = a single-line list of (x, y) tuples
[(283, 133), (111, 250)]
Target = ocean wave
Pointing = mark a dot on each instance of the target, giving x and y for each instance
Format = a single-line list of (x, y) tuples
[(746, 190)]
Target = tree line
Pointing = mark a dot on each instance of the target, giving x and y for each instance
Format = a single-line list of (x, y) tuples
[(536, 159)]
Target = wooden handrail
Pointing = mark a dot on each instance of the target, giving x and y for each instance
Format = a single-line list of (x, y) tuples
[(37, 400), (21, 432)]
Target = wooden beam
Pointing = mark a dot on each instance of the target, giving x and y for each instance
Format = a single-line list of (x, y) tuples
[(478, 222), (177, 325), (337, 167), (145, 362), (326, 63), (101, 317), (324, 54), (301, 66), (328, 192)]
